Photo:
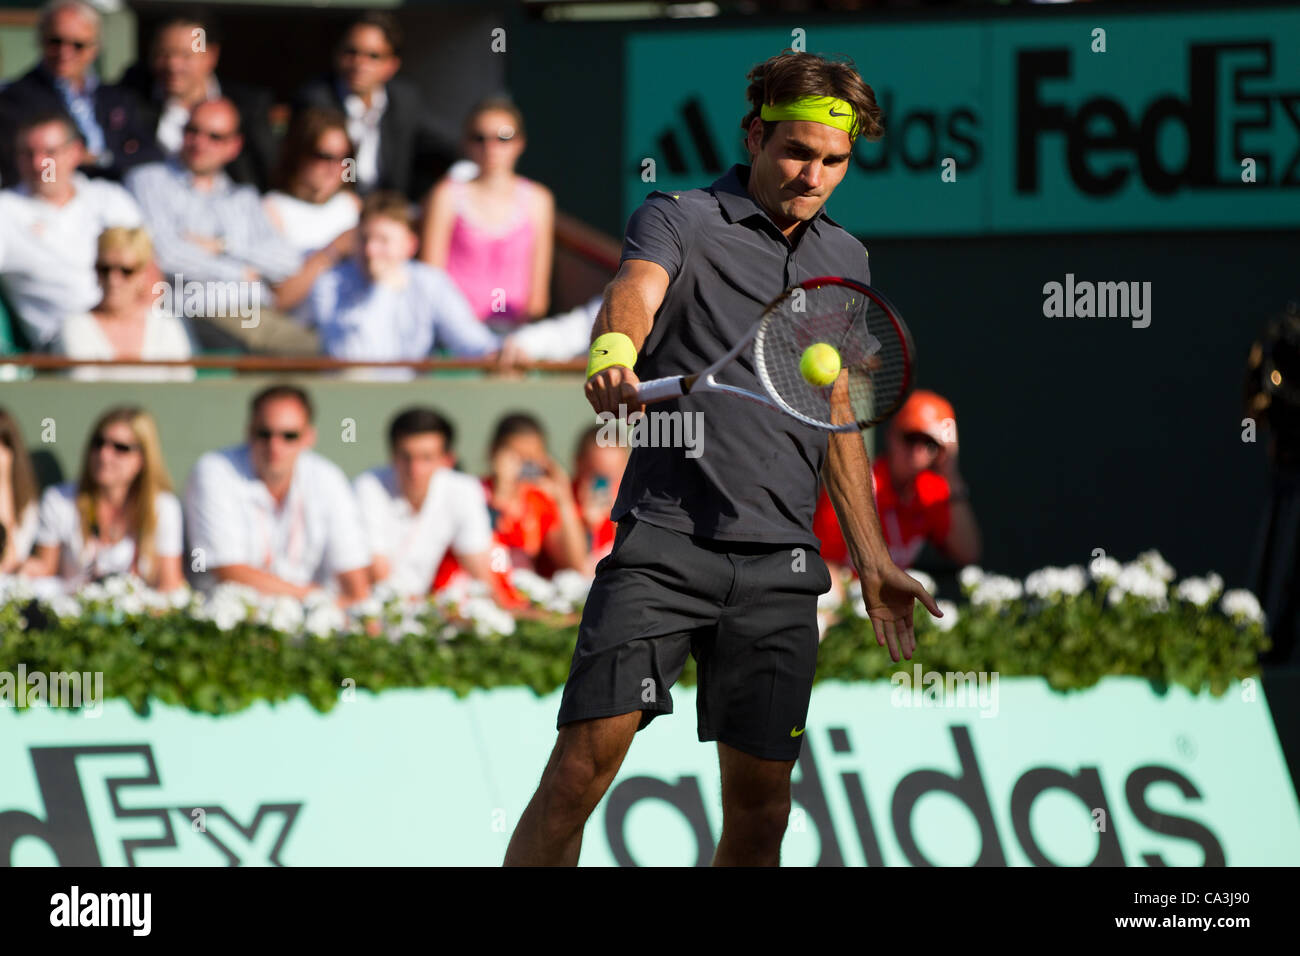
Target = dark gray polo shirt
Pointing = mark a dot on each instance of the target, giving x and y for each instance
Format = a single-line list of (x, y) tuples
[(755, 478)]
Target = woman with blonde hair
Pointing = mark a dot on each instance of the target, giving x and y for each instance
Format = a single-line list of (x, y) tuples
[(126, 324), (494, 234), (120, 516), (18, 494)]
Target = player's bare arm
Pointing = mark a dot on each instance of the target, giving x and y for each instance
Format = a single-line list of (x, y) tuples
[(631, 301), (887, 590)]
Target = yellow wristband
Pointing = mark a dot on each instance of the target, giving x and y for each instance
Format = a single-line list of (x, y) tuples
[(611, 348)]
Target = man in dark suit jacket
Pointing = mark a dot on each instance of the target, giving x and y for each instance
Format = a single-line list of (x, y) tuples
[(397, 147), (180, 75), (106, 117)]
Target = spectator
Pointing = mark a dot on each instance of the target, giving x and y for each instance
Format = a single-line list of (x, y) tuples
[(382, 306), (182, 73), (397, 148), (1273, 400), (119, 517), (597, 472), (563, 336), (495, 233), (49, 227), (314, 206), (273, 514), (919, 493), (106, 117), (128, 323), (18, 496), (209, 230), (531, 499), (418, 508)]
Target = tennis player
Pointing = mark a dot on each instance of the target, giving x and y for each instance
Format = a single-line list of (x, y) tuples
[(715, 555)]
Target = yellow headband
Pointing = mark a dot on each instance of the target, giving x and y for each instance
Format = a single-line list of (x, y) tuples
[(819, 109)]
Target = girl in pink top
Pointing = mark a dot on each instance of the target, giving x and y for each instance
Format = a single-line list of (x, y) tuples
[(494, 233)]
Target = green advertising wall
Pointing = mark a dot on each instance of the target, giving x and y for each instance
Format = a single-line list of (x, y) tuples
[(1020, 775), (1047, 131)]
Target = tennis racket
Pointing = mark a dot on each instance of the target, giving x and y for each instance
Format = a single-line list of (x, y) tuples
[(876, 353)]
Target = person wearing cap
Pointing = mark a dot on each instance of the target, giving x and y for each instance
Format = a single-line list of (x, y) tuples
[(714, 556), (920, 495)]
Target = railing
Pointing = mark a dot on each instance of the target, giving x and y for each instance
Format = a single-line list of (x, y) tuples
[(306, 363)]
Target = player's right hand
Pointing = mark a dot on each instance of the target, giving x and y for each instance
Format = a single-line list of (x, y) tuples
[(612, 387)]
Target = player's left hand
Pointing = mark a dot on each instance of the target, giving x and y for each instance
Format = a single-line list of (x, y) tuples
[(889, 593)]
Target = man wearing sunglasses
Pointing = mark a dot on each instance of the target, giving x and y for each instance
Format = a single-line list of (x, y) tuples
[(210, 230), (273, 514), (397, 146), (50, 226), (920, 494), (181, 73), (107, 116)]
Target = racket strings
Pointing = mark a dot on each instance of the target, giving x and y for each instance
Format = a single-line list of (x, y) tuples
[(871, 347)]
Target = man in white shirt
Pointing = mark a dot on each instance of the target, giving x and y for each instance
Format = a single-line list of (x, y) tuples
[(50, 226), (273, 514), (417, 507)]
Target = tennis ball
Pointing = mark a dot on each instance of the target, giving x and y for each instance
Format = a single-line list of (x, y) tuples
[(820, 364)]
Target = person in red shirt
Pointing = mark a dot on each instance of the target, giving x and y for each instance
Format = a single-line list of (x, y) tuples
[(534, 513), (597, 472), (919, 493)]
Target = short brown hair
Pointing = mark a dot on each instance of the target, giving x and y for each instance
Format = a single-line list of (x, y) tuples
[(384, 22), (282, 390), (389, 205), (791, 74)]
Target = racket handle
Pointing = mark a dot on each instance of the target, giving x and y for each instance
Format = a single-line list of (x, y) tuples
[(661, 389)]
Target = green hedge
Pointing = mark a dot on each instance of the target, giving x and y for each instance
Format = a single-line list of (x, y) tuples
[(175, 659)]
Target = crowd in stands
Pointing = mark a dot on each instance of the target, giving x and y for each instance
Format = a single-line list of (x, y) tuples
[(273, 514), (162, 216)]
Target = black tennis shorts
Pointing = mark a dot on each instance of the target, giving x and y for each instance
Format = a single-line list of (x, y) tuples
[(747, 612)]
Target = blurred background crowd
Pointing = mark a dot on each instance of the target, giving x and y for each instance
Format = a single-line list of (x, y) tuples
[(165, 215)]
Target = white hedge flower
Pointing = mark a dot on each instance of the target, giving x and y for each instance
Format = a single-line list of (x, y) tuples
[(323, 620), (533, 586), (488, 619), (573, 586), (1140, 582), (1104, 568), (65, 606), (1050, 581), (970, 576), (950, 616), (1154, 562), (1198, 591), (284, 614), (994, 590), (855, 598), (927, 582), (117, 586), (829, 601), (1242, 605)]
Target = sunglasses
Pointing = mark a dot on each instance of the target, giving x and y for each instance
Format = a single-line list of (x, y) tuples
[(921, 438), (328, 157), (266, 434), (104, 268), (99, 441), (499, 137), (374, 55), (215, 137), (77, 45)]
